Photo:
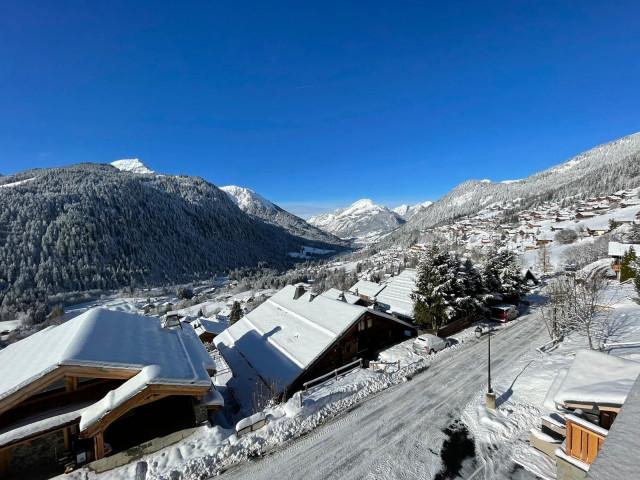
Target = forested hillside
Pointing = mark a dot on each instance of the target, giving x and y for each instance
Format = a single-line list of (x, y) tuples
[(604, 169), (92, 226)]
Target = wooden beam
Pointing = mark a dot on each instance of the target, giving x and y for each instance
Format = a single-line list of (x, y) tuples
[(58, 374), (70, 383), (98, 445), (66, 434), (5, 462)]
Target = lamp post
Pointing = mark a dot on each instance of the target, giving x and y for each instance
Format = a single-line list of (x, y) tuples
[(491, 396)]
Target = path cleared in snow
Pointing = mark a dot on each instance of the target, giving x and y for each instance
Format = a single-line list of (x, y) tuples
[(399, 432)]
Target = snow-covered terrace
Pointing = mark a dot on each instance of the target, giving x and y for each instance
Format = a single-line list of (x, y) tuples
[(596, 378)]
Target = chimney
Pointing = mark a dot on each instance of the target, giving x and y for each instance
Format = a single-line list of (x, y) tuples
[(312, 296), (356, 292), (299, 291), (341, 297)]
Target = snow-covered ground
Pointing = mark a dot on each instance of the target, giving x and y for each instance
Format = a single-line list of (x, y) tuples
[(345, 428), (502, 435)]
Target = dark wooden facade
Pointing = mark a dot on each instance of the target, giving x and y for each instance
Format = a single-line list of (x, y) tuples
[(371, 333)]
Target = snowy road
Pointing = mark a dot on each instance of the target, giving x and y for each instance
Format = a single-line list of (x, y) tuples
[(398, 433)]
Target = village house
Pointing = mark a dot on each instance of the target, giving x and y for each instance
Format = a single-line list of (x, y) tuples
[(100, 377), (207, 329), (618, 455), (366, 290), (617, 251), (587, 398), (296, 336)]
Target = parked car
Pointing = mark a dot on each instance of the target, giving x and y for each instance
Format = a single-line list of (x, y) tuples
[(503, 312), (427, 343)]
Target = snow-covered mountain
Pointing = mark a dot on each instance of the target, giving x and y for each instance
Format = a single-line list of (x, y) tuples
[(606, 168), (256, 205), (363, 221), (132, 165), (92, 226), (402, 209), (406, 211)]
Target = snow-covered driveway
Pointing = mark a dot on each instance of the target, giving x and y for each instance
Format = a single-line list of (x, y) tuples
[(398, 433)]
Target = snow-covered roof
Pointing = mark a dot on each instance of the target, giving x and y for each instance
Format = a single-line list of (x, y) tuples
[(202, 325), (597, 378), (334, 294), (109, 339), (369, 289), (283, 336), (618, 456), (396, 296), (617, 249)]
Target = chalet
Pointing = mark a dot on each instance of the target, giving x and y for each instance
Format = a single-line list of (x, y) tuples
[(618, 454), (596, 231), (395, 299), (588, 397), (96, 376), (617, 251), (296, 336), (207, 330), (582, 215), (543, 240), (366, 290)]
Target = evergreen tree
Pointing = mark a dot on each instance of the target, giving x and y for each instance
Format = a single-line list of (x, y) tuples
[(236, 313), (502, 276), (627, 262), (437, 289)]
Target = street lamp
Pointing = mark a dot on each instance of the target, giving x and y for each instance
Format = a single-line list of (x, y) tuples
[(491, 396)]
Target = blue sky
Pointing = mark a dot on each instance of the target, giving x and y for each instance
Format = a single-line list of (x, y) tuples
[(318, 103)]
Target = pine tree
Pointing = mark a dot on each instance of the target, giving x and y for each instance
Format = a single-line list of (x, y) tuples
[(236, 313), (502, 276), (438, 289), (626, 265)]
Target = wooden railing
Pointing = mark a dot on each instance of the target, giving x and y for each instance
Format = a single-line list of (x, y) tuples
[(583, 439)]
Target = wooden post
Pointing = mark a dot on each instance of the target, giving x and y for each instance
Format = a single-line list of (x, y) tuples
[(66, 434), (5, 462), (71, 383), (98, 445)]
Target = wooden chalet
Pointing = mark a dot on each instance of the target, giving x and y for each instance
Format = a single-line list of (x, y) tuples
[(69, 384), (366, 290), (207, 329), (589, 395), (296, 336), (617, 251)]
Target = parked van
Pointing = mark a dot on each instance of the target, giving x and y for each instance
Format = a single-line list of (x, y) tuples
[(504, 312)]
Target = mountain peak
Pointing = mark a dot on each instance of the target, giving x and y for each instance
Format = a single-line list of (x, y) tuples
[(133, 165), (363, 220), (247, 199)]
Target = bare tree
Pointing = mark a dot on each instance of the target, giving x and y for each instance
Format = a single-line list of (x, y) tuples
[(544, 259), (579, 305)]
